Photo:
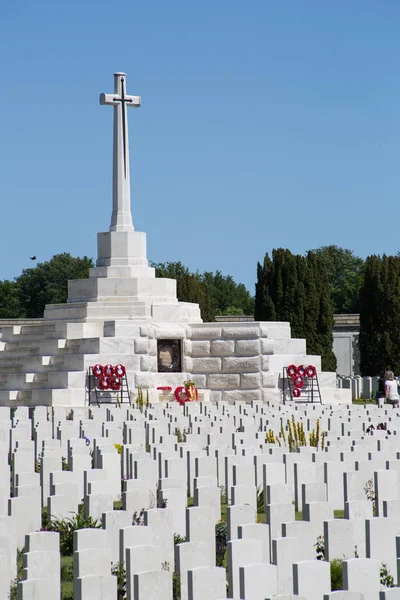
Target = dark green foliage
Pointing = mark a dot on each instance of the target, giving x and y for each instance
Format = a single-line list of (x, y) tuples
[(221, 535), (176, 586), (189, 287), (295, 289), (178, 539), (227, 296), (345, 275), (217, 294), (336, 566), (66, 528), (118, 569), (380, 315), (48, 282), (14, 584), (386, 578), (44, 284), (10, 307)]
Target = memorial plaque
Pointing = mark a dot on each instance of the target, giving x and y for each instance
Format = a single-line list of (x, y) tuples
[(169, 356)]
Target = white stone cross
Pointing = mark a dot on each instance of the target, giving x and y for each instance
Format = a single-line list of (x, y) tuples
[(121, 219)]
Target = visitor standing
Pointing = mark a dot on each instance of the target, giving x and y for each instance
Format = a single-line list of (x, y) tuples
[(392, 395)]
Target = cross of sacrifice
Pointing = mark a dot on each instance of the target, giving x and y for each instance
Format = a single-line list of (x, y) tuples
[(121, 217)]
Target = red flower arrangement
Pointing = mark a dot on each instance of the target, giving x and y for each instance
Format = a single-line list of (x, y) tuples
[(109, 377), (119, 370), (97, 371), (115, 383), (178, 396), (104, 383), (298, 374)]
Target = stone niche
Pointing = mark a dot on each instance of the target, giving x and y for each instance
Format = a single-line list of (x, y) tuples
[(169, 356)]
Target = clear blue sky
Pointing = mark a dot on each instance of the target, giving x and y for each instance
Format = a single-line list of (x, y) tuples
[(263, 124)]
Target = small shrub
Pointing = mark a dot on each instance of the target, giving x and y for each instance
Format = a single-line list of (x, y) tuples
[(221, 535), (320, 547), (118, 569), (336, 566), (138, 518), (66, 528), (65, 466), (386, 577), (178, 539)]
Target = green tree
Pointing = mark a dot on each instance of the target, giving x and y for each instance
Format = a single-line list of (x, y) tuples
[(380, 315), (295, 289), (345, 275), (189, 287), (10, 307), (47, 283), (227, 294)]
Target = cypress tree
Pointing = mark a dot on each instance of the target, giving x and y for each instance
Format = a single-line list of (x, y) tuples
[(379, 339), (295, 289)]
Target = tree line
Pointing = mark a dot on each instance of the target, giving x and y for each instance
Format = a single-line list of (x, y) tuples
[(306, 290), (47, 283)]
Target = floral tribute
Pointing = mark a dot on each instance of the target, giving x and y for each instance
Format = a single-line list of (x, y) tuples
[(298, 374), (109, 377), (186, 393)]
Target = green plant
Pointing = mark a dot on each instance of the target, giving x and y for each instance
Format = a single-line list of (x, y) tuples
[(38, 466), (65, 466), (320, 548), (118, 569), (66, 528), (386, 578), (221, 535), (260, 504), (139, 399), (176, 586), (336, 566), (13, 595), (178, 539), (138, 518)]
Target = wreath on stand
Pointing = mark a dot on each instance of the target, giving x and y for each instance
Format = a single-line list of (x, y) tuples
[(298, 375), (109, 377)]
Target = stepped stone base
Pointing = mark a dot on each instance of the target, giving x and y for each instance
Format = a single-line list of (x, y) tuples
[(46, 363)]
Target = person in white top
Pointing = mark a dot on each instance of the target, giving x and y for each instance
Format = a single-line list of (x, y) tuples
[(392, 395)]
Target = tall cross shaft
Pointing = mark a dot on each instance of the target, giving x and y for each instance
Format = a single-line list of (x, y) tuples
[(121, 219)]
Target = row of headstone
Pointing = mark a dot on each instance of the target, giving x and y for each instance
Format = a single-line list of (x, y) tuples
[(151, 461)]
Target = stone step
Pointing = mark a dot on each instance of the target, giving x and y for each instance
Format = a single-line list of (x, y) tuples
[(50, 380), (43, 397)]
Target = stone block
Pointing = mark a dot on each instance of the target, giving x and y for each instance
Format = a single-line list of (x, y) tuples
[(249, 381), (265, 363), (243, 331), (205, 333), (222, 348), (145, 363), (267, 346), (232, 364), (223, 382), (200, 348), (141, 346), (241, 396), (269, 380), (206, 365), (247, 347)]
